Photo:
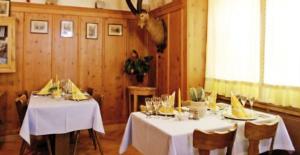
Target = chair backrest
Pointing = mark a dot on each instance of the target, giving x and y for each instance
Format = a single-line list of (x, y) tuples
[(90, 91), (21, 105), (206, 141), (256, 132)]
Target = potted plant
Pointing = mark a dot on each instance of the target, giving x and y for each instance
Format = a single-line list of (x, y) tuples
[(198, 104), (138, 66)]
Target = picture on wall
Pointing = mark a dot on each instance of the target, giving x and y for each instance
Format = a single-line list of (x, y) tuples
[(4, 8), (115, 30), (39, 26), (66, 29), (3, 44), (7, 45), (92, 31)]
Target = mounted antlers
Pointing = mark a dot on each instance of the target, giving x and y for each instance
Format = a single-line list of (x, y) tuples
[(155, 27)]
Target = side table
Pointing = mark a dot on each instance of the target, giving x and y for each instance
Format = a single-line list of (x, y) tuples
[(138, 91)]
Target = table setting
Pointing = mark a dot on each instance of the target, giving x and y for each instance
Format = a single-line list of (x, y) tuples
[(168, 129), (57, 108)]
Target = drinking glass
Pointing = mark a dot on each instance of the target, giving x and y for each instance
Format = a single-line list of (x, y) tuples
[(156, 105), (148, 106), (165, 101), (243, 100), (251, 102)]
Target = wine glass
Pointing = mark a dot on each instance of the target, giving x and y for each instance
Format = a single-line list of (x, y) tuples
[(251, 102), (243, 100), (156, 105), (148, 106), (165, 101)]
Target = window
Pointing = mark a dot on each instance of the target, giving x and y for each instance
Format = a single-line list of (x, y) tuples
[(238, 60)]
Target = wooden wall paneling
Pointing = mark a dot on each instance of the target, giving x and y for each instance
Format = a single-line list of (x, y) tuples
[(37, 53), (175, 51), (65, 50), (162, 64), (12, 82), (138, 40), (90, 56), (197, 11), (115, 49)]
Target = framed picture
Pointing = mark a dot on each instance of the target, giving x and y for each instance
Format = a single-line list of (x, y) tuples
[(66, 29), (92, 31), (7, 45), (39, 26), (4, 8), (115, 30), (3, 32)]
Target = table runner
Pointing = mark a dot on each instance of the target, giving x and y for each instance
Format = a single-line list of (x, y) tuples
[(172, 137), (46, 115)]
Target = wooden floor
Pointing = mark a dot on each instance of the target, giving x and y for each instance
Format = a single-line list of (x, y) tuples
[(110, 143)]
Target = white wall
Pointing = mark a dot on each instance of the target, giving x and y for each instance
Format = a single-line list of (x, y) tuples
[(109, 4)]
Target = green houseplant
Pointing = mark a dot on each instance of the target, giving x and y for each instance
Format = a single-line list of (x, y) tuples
[(138, 66)]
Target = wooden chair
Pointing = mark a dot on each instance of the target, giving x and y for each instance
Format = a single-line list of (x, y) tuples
[(92, 133), (206, 141), (22, 105), (256, 132)]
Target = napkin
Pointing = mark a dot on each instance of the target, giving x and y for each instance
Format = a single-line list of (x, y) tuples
[(76, 93), (172, 98), (236, 108), (57, 92), (46, 89), (213, 102)]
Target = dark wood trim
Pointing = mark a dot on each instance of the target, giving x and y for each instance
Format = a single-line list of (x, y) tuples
[(269, 107), (69, 10)]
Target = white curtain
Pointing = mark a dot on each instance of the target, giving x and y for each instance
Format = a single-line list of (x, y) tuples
[(233, 40), (234, 62), (282, 43)]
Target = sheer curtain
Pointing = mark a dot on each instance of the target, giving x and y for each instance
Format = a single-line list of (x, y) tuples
[(282, 53), (233, 46), (234, 62)]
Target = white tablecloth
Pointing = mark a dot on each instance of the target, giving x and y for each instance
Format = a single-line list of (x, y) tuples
[(171, 137), (46, 115)]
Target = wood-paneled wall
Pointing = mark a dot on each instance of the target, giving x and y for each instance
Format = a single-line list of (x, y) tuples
[(96, 63), (171, 64)]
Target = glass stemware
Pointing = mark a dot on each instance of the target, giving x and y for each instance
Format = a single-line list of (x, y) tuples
[(251, 102), (156, 105), (148, 106), (243, 100), (165, 100)]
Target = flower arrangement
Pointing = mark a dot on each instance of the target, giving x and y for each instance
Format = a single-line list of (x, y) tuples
[(137, 66)]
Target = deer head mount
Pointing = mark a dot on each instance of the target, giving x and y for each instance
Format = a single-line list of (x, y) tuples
[(155, 27)]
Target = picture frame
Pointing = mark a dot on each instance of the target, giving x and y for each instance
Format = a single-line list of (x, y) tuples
[(39, 26), (4, 8), (91, 30), (67, 29), (115, 30), (7, 45)]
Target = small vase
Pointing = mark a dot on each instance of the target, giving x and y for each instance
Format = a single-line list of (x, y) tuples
[(140, 78)]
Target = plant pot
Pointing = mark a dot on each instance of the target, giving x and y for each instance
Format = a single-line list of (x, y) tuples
[(139, 78), (199, 108)]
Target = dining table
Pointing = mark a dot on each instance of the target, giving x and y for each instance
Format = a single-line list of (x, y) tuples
[(60, 116), (161, 135)]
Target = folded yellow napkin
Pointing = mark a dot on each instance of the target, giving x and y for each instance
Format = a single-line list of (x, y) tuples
[(172, 98), (213, 102), (237, 109), (46, 89), (76, 93), (57, 92)]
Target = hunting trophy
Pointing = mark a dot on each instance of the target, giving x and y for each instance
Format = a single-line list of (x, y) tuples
[(155, 27)]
